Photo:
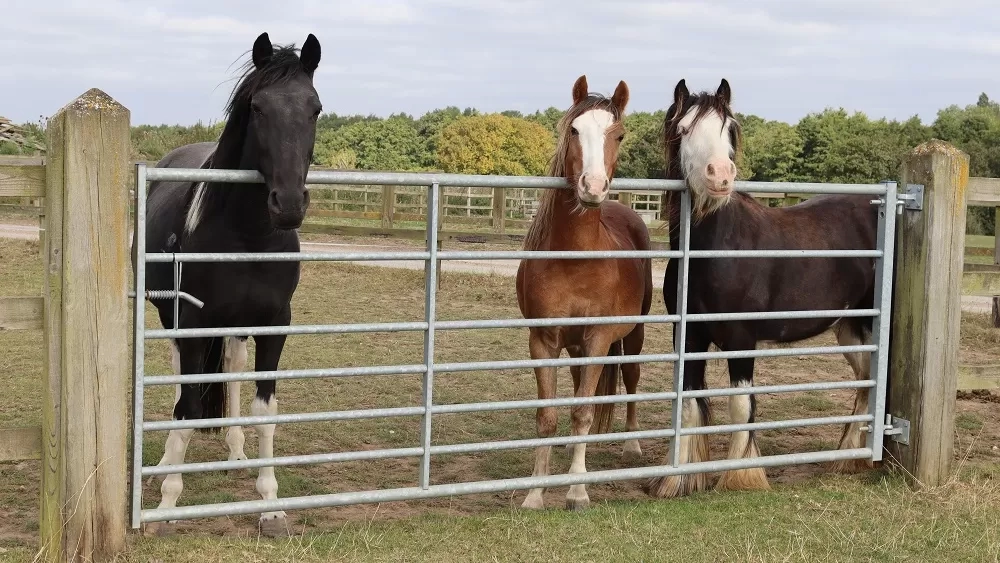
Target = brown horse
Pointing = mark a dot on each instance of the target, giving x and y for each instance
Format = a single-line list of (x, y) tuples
[(701, 139), (580, 218)]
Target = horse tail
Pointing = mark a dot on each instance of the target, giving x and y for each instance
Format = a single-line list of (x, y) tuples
[(607, 385), (213, 395)]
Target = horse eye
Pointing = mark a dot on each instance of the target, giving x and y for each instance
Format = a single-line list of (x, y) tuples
[(573, 131), (620, 137), (256, 109)]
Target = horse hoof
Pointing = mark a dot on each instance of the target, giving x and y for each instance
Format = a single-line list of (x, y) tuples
[(672, 486), (160, 529), (852, 466), (533, 502), (274, 527), (576, 504), (752, 479)]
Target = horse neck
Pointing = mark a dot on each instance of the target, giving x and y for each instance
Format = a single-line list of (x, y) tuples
[(717, 230), (242, 206), (572, 227)]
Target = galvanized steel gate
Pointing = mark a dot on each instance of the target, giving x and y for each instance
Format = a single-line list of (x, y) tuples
[(878, 425)]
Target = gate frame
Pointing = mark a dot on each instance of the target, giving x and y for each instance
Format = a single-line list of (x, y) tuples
[(877, 424)]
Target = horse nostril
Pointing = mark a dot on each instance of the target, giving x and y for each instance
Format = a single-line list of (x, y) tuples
[(273, 204)]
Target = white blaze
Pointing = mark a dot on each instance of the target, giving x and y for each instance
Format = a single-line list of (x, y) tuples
[(591, 128)]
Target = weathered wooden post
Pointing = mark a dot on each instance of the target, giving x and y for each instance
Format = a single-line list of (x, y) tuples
[(996, 262), (388, 205), (86, 318), (927, 312), (499, 210)]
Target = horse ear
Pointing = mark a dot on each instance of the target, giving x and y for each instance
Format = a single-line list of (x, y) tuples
[(725, 92), (620, 97), (680, 95), (580, 89), (262, 50), (310, 54)]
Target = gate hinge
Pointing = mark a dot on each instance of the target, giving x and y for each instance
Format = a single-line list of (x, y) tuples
[(898, 429), (912, 198)]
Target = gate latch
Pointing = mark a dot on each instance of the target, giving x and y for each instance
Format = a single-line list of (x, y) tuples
[(897, 429)]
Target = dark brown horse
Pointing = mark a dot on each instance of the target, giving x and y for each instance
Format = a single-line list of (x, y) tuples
[(581, 218), (701, 140)]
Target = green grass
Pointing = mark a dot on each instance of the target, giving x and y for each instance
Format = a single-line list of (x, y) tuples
[(876, 518)]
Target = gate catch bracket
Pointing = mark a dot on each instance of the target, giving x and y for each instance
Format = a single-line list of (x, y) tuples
[(912, 198), (898, 429)]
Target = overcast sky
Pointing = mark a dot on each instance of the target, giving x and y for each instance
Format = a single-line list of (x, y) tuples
[(172, 63)]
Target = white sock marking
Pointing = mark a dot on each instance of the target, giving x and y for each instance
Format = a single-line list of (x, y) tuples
[(739, 413), (267, 485), (235, 360)]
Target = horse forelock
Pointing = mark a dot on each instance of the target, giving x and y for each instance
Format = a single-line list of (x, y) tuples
[(706, 103), (541, 224)]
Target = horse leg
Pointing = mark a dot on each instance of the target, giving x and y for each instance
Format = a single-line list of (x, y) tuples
[(575, 372), (545, 378), (271, 524), (632, 346), (175, 366), (852, 332), (235, 360), (188, 358), (583, 418), (742, 445), (694, 412)]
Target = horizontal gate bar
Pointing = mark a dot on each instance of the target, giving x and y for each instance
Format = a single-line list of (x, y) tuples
[(417, 179), (153, 334), (358, 414), (281, 461), (456, 408), (174, 379), (784, 253), (330, 416), (493, 365), (496, 255), (474, 447), (495, 486), (775, 424), (778, 352)]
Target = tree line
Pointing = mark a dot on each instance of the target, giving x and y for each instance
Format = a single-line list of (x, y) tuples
[(828, 146)]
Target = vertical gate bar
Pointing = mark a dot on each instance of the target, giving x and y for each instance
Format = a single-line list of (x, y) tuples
[(138, 338), (177, 290), (679, 336), (880, 331), (430, 312)]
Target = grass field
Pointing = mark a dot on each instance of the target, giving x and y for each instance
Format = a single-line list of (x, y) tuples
[(809, 515)]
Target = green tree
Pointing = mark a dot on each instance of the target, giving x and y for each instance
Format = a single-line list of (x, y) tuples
[(388, 144), (641, 152), (494, 144), (429, 128), (771, 150)]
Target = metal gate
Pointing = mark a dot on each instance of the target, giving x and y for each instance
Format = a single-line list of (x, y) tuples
[(884, 196)]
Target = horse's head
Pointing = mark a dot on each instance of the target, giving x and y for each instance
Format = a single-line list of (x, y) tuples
[(701, 138), (280, 107), (590, 134)]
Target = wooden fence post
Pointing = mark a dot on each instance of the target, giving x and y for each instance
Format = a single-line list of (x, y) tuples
[(499, 210), (388, 205), (996, 262), (927, 312), (85, 410)]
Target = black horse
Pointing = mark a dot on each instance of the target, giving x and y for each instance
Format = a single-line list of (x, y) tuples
[(701, 140), (270, 128)]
